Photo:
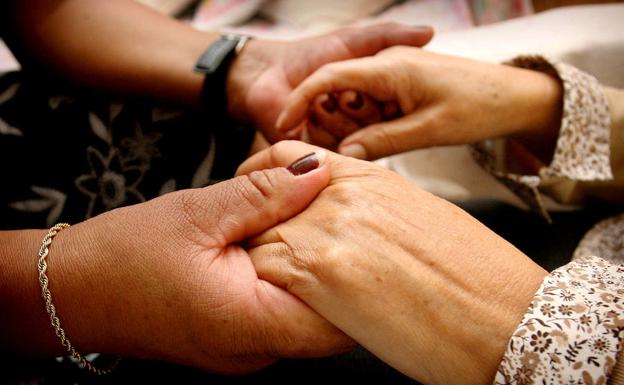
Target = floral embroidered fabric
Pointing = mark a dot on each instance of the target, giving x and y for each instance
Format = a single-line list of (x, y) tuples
[(573, 329), (70, 155)]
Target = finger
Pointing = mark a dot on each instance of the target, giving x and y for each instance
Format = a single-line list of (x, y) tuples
[(390, 110), (319, 136), (273, 262), (389, 138), (327, 116), (359, 74), (360, 108), (280, 154), (249, 204), (299, 332), (366, 41), (303, 332)]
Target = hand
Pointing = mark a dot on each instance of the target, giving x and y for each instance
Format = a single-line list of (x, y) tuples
[(443, 100), (166, 280), (265, 73), (334, 116), (413, 278)]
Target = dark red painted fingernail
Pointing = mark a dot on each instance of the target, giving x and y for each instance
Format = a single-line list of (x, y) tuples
[(329, 105), (357, 102), (305, 164), (390, 110)]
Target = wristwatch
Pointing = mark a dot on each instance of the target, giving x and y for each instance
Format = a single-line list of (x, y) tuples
[(215, 63)]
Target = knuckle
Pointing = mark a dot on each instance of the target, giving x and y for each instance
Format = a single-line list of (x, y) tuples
[(336, 223), (253, 189), (261, 182), (321, 265), (327, 74), (342, 195), (262, 189)]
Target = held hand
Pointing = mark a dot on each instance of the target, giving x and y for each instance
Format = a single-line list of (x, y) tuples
[(443, 100), (413, 278), (265, 73), (334, 116), (166, 279)]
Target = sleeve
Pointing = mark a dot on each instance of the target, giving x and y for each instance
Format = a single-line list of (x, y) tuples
[(588, 160), (572, 331)]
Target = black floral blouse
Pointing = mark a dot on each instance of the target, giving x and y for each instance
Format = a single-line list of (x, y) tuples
[(69, 155)]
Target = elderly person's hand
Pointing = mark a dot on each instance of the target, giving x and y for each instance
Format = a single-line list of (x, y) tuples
[(266, 72), (443, 100), (166, 280), (413, 278)]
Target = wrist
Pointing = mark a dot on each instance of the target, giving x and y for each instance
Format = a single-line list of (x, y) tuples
[(244, 70), (25, 326), (538, 101), (481, 310), (513, 293), (73, 283)]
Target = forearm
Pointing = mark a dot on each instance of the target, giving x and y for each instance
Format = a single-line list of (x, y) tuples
[(116, 45), (25, 326)]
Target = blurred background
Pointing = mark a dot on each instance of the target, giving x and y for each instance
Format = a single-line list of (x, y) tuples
[(293, 18)]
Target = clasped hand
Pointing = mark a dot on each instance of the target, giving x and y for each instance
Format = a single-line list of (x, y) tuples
[(336, 250), (411, 277)]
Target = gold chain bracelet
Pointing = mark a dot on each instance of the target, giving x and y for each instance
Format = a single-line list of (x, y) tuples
[(42, 266)]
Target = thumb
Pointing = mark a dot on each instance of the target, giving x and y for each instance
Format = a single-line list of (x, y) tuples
[(388, 138), (366, 41), (249, 204)]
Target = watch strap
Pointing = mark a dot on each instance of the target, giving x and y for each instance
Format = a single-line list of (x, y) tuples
[(215, 63)]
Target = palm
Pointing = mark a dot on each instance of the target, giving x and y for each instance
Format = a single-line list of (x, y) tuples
[(225, 279), (268, 93), (235, 314)]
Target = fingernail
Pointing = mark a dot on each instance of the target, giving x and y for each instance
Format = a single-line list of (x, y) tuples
[(357, 102), (306, 163), (390, 110), (329, 104), (354, 150)]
